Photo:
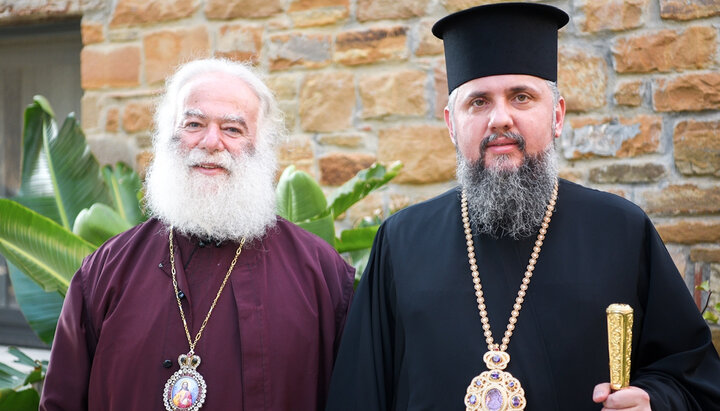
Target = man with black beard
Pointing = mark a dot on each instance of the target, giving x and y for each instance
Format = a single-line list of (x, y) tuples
[(429, 326), (214, 302)]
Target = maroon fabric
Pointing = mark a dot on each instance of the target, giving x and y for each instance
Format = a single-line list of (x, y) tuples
[(269, 345)]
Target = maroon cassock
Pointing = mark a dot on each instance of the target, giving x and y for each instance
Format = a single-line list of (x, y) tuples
[(270, 343)]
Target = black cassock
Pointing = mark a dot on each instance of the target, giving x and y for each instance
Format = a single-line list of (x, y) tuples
[(414, 340)]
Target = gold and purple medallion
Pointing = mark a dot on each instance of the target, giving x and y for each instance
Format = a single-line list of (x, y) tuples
[(186, 388), (495, 389)]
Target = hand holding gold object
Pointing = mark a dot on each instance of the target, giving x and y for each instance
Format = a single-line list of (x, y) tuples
[(619, 321)]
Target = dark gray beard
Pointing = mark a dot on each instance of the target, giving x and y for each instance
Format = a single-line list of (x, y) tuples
[(508, 202)]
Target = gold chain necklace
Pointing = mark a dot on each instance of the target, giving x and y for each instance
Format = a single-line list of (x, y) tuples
[(495, 389), (186, 388)]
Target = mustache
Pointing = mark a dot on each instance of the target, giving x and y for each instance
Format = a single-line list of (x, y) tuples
[(517, 138), (197, 156)]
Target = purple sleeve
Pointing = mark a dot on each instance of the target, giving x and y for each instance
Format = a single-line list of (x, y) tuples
[(66, 382), (347, 275)]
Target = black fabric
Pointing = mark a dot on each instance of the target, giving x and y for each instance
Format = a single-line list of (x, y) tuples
[(504, 38), (414, 340)]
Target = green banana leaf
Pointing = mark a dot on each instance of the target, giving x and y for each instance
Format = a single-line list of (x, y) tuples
[(98, 223), (60, 176), (299, 196), (23, 400), (74, 171), (40, 308), (323, 227), (10, 377), (355, 239), (45, 251), (358, 187), (36, 189), (125, 185), (58, 172), (359, 260)]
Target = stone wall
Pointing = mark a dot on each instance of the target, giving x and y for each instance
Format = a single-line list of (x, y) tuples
[(363, 81)]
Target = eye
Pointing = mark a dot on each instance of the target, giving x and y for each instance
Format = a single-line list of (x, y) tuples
[(192, 124), (522, 98), (234, 131), (478, 102)]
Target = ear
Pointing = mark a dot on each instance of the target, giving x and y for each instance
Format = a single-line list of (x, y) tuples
[(559, 114), (448, 122)]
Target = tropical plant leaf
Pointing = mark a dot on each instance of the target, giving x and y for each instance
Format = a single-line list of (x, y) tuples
[(359, 260), (323, 227), (354, 239), (60, 176), (23, 400), (98, 223), (22, 358), (364, 182), (10, 377), (43, 250), (36, 188), (299, 196), (124, 185), (40, 308), (74, 171)]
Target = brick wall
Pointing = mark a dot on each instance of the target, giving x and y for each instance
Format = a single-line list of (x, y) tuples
[(363, 81)]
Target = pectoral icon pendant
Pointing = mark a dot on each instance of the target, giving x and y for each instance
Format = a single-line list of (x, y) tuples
[(495, 389), (186, 389)]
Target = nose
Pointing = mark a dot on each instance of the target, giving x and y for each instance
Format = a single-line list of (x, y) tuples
[(500, 118), (212, 140)]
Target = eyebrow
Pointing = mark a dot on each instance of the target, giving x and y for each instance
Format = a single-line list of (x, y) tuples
[(231, 118), (194, 113), (511, 90)]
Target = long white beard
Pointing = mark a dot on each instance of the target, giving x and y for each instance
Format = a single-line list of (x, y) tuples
[(505, 201), (222, 207)]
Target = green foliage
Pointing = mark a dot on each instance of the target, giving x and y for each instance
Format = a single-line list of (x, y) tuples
[(42, 249), (302, 201), (66, 207), (18, 389), (713, 313)]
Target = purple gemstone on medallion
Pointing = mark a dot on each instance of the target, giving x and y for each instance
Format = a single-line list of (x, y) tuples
[(496, 358), (516, 401), (511, 384), (478, 383), (494, 400), (473, 399), (494, 375)]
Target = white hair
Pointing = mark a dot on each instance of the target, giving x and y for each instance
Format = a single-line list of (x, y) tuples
[(270, 118)]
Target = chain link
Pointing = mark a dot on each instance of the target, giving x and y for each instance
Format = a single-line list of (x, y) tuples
[(217, 296)]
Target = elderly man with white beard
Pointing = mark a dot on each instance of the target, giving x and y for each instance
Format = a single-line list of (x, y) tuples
[(214, 302), (493, 296)]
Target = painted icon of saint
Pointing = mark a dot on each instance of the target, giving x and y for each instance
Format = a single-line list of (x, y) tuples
[(183, 398)]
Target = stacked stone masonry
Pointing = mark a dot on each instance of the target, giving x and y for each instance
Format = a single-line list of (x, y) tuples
[(364, 80)]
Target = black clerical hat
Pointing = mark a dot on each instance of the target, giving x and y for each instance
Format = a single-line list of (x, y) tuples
[(502, 38)]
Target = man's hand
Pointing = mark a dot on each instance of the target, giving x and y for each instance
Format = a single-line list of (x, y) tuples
[(628, 399)]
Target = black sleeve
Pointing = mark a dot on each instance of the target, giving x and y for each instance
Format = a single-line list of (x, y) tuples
[(678, 364), (363, 374)]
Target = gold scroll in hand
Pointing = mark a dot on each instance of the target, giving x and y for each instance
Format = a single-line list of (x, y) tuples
[(619, 321)]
